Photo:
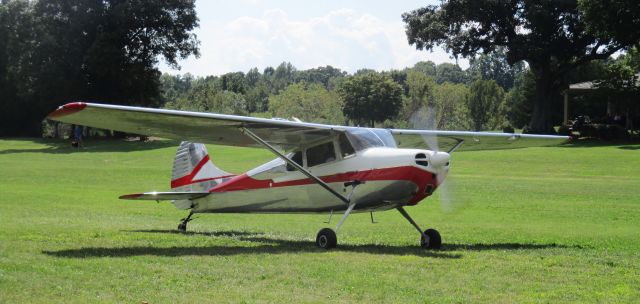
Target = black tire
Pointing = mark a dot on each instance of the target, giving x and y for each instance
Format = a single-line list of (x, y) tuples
[(435, 242), (326, 239), (182, 227)]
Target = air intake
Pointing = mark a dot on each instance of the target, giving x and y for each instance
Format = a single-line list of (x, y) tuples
[(421, 159)]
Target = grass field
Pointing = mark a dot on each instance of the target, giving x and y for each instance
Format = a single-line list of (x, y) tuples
[(545, 225)]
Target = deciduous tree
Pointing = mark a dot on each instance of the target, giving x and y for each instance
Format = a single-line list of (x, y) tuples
[(551, 36), (370, 97)]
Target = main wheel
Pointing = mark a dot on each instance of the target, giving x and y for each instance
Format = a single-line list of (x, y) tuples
[(326, 239), (182, 227), (434, 242)]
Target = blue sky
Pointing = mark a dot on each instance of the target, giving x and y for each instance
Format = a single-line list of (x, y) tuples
[(241, 34)]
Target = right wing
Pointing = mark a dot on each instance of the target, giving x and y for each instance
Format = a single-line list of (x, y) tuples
[(465, 140)]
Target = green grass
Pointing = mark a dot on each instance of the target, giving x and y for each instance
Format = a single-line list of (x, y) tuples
[(545, 225)]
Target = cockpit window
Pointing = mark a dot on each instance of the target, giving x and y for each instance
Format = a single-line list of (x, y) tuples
[(321, 154), (296, 158), (346, 148), (363, 138)]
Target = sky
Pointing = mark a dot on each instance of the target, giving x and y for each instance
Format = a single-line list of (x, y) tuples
[(351, 35)]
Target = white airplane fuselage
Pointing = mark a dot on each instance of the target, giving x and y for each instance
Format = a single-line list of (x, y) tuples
[(386, 178)]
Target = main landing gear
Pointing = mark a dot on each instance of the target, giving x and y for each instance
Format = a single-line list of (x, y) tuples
[(430, 238), (182, 227)]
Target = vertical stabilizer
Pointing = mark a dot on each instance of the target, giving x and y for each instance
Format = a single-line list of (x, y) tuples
[(193, 169)]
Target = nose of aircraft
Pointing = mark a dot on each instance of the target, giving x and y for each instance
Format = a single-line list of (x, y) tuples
[(440, 159)]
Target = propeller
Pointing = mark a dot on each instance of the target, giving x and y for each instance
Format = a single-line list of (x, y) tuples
[(425, 119)]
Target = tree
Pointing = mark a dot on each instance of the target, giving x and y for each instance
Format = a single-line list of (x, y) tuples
[(322, 75), (258, 98), (449, 72), (234, 82), (425, 67), (616, 20), (432, 106), (226, 102), (551, 36), (495, 66), (283, 75), (313, 103), (370, 97), (485, 98), (420, 93), (252, 77), (519, 101), (96, 49), (450, 101), (621, 81)]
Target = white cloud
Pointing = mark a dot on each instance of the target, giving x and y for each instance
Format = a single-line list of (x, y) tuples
[(342, 38)]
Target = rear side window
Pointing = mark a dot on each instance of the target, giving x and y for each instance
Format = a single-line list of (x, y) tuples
[(346, 148), (321, 154), (297, 158)]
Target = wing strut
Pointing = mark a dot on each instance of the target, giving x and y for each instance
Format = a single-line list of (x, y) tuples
[(458, 144), (295, 165)]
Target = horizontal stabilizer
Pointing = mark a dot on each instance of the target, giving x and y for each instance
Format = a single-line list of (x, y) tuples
[(165, 196)]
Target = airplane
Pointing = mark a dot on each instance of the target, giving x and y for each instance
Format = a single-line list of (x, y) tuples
[(319, 168)]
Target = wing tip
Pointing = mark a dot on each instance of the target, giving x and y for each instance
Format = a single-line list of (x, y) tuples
[(67, 109)]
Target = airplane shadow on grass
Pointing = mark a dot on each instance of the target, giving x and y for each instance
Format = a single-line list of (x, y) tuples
[(271, 245)]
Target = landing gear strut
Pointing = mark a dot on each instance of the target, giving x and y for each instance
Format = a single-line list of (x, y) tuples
[(182, 227), (430, 238)]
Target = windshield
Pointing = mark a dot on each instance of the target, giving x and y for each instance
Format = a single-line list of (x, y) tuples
[(363, 138)]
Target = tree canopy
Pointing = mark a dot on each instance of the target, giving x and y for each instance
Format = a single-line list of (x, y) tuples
[(307, 102), (57, 50), (370, 98), (551, 36)]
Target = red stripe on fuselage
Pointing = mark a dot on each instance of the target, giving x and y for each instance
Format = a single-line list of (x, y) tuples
[(408, 173)]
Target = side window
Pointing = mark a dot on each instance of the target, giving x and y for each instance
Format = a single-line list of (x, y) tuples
[(346, 148), (321, 154), (297, 158)]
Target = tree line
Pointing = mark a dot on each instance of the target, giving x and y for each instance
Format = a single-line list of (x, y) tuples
[(489, 95), (522, 55)]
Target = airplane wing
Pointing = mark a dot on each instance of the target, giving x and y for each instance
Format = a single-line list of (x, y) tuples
[(199, 127), (223, 129), (467, 141)]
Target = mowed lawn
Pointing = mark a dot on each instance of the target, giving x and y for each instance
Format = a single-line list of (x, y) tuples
[(548, 225)]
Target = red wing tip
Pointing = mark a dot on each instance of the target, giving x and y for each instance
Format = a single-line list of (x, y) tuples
[(67, 109), (131, 196)]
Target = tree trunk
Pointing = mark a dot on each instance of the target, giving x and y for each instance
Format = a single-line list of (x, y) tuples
[(541, 119)]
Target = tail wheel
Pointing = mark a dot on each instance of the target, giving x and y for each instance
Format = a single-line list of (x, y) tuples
[(434, 241), (326, 239)]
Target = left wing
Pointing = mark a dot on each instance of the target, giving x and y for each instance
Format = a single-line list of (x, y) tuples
[(199, 127)]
